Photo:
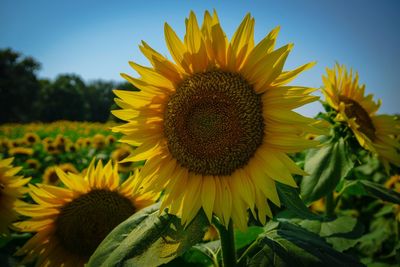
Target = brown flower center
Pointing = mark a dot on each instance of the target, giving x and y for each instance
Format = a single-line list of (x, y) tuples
[(213, 123), (85, 221), (355, 110)]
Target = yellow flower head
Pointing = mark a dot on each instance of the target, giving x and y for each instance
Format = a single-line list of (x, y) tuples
[(11, 189), (51, 148), (25, 151), (50, 176), (373, 132), (99, 141), (71, 147), (31, 138), (71, 222), (33, 164), (215, 125), (119, 155), (110, 139)]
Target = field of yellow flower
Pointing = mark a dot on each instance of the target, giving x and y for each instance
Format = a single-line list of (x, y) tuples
[(211, 166)]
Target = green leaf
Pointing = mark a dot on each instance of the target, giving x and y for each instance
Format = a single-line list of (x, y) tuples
[(338, 232), (326, 165), (380, 192), (285, 244), (243, 239), (148, 239), (291, 199)]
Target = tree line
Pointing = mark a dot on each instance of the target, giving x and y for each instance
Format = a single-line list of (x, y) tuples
[(24, 97)]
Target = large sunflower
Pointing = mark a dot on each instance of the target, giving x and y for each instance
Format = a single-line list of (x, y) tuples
[(71, 222), (215, 126), (11, 189), (373, 132)]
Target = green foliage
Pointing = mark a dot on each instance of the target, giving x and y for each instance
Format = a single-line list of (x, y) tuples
[(290, 198), (25, 98), (19, 86), (147, 239), (285, 244), (368, 188), (327, 165)]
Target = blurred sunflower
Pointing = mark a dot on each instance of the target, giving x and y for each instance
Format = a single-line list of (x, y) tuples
[(373, 132), (119, 155), (51, 177), (80, 142), (31, 138), (50, 148), (394, 184), (110, 139), (33, 164), (4, 145), (60, 143), (71, 222), (215, 126), (11, 189), (99, 141), (24, 151), (47, 140), (71, 147)]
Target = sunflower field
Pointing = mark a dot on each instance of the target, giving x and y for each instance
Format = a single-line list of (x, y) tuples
[(209, 165)]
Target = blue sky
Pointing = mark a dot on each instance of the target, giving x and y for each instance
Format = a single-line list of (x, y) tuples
[(95, 39)]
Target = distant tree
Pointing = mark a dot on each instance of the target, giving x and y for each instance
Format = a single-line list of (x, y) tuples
[(19, 87), (63, 99), (100, 97)]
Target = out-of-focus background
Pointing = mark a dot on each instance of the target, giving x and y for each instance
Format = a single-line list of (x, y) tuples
[(60, 59)]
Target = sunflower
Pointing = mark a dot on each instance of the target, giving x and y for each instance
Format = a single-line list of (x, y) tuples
[(99, 141), (110, 139), (31, 138), (51, 177), (71, 147), (33, 164), (23, 151), (71, 222), (373, 132), (119, 155), (394, 184), (215, 126), (11, 189), (50, 148)]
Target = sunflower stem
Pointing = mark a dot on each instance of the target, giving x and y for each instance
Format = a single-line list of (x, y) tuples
[(227, 243), (329, 205)]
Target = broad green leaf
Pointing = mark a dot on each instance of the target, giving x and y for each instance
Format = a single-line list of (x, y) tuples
[(336, 232), (291, 199), (285, 244), (372, 189), (381, 192), (243, 239), (147, 239), (326, 165)]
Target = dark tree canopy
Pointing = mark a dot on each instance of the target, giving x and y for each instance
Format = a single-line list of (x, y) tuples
[(19, 87), (25, 98)]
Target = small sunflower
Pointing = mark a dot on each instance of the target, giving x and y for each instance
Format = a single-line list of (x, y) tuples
[(71, 222), (71, 147), (119, 155), (110, 139), (394, 184), (215, 126), (23, 151), (31, 138), (50, 176), (11, 189), (99, 141), (373, 132), (33, 164)]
